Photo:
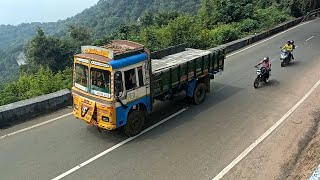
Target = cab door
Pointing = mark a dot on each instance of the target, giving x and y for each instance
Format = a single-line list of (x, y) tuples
[(134, 85)]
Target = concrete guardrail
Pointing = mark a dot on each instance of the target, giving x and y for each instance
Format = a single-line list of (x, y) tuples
[(238, 44), (26, 109)]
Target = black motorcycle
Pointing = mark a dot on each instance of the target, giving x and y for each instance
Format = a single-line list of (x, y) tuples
[(261, 76), (285, 58)]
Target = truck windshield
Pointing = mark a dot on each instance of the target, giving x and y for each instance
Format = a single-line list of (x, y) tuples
[(81, 77), (100, 82)]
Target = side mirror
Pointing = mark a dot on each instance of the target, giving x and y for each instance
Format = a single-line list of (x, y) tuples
[(118, 85)]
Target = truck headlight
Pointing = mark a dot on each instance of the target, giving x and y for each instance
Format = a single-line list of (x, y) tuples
[(105, 119)]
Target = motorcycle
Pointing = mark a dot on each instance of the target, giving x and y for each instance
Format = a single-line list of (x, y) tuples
[(261, 76), (285, 58)]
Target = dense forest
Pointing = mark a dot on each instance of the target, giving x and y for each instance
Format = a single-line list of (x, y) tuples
[(49, 47)]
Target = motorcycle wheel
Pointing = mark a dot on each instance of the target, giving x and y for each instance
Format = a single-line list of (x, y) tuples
[(283, 64), (256, 83)]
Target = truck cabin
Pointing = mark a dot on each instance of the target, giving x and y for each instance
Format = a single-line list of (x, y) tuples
[(104, 77), (99, 69)]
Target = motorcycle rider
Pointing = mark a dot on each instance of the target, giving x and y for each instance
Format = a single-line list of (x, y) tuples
[(266, 64), (289, 47)]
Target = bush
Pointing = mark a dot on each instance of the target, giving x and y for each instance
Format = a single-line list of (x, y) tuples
[(184, 29), (270, 17), (40, 83), (150, 38), (223, 34), (248, 25)]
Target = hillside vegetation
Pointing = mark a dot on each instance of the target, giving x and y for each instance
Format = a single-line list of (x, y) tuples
[(103, 18), (154, 23)]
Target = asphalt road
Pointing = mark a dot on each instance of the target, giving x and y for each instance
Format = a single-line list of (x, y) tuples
[(197, 144)]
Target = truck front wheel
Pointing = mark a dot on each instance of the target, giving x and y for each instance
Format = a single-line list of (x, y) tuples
[(199, 94), (135, 123)]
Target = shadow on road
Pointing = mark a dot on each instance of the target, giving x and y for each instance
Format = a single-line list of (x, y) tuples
[(163, 110), (166, 109), (292, 63), (112, 136), (271, 84)]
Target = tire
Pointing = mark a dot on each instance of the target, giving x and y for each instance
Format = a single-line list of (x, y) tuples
[(283, 64), (199, 94), (256, 83), (135, 123)]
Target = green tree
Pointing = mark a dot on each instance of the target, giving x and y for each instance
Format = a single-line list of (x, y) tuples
[(163, 18), (223, 34), (77, 36), (264, 3), (213, 12), (147, 19), (47, 52), (184, 29), (269, 17), (79, 33), (248, 25), (150, 39)]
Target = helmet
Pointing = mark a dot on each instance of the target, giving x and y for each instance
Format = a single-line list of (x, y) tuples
[(292, 41), (266, 59), (289, 42)]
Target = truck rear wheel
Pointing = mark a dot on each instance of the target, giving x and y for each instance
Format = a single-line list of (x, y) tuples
[(135, 123), (200, 93)]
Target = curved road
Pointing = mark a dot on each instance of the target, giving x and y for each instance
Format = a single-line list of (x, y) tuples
[(196, 144)]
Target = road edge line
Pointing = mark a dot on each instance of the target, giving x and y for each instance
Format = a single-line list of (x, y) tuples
[(266, 134), (34, 126)]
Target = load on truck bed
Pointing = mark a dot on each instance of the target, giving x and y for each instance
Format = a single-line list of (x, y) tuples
[(177, 65)]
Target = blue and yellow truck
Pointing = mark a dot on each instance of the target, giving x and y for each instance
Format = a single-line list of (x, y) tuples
[(116, 85)]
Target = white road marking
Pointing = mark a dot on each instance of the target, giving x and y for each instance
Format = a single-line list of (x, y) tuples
[(269, 38), (310, 38), (265, 135), (34, 126), (116, 146)]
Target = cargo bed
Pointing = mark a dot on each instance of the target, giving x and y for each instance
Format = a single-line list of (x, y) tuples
[(176, 67)]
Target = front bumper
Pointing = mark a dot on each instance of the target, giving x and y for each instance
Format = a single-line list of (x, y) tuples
[(94, 113)]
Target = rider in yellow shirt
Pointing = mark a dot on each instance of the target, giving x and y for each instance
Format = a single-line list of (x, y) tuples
[(289, 47)]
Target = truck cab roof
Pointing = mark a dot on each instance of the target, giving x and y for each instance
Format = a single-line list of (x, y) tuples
[(118, 53)]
